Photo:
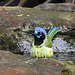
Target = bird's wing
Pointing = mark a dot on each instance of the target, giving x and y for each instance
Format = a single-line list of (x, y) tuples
[(50, 35), (48, 42)]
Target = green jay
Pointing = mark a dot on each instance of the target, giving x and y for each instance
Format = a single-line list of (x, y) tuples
[(42, 42)]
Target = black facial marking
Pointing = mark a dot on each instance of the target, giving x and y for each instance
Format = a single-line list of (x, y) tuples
[(38, 33), (39, 41)]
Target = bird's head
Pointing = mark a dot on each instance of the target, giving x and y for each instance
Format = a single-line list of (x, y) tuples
[(39, 35), (39, 32)]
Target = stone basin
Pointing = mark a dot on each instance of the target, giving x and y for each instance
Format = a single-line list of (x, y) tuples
[(16, 28)]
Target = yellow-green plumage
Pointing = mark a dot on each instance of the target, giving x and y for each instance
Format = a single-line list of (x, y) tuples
[(45, 49)]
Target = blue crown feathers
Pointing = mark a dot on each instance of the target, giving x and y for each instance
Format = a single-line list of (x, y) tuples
[(41, 30)]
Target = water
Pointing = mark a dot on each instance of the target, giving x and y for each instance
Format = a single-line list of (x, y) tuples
[(21, 42), (65, 52), (59, 45)]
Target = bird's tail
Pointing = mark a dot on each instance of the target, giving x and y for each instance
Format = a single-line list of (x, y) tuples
[(52, 32)]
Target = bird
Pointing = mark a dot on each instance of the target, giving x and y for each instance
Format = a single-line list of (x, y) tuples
[(42, 42)]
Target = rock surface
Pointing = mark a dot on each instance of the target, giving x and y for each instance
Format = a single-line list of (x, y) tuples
[(17, 25), (57, 7), (13, 64), (16, 28), (30, 18)]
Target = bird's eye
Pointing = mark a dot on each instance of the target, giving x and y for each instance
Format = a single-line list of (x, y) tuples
[(38, 33)]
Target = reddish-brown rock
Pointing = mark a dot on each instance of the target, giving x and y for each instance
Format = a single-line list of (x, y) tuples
[(14, 64)]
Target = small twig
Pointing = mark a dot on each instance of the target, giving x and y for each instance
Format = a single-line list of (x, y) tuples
[(21, 3), (8, 3)]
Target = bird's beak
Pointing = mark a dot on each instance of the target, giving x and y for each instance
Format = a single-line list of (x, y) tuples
[(33, 34)]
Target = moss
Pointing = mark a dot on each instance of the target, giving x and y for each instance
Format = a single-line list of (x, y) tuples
[(41, 14)]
